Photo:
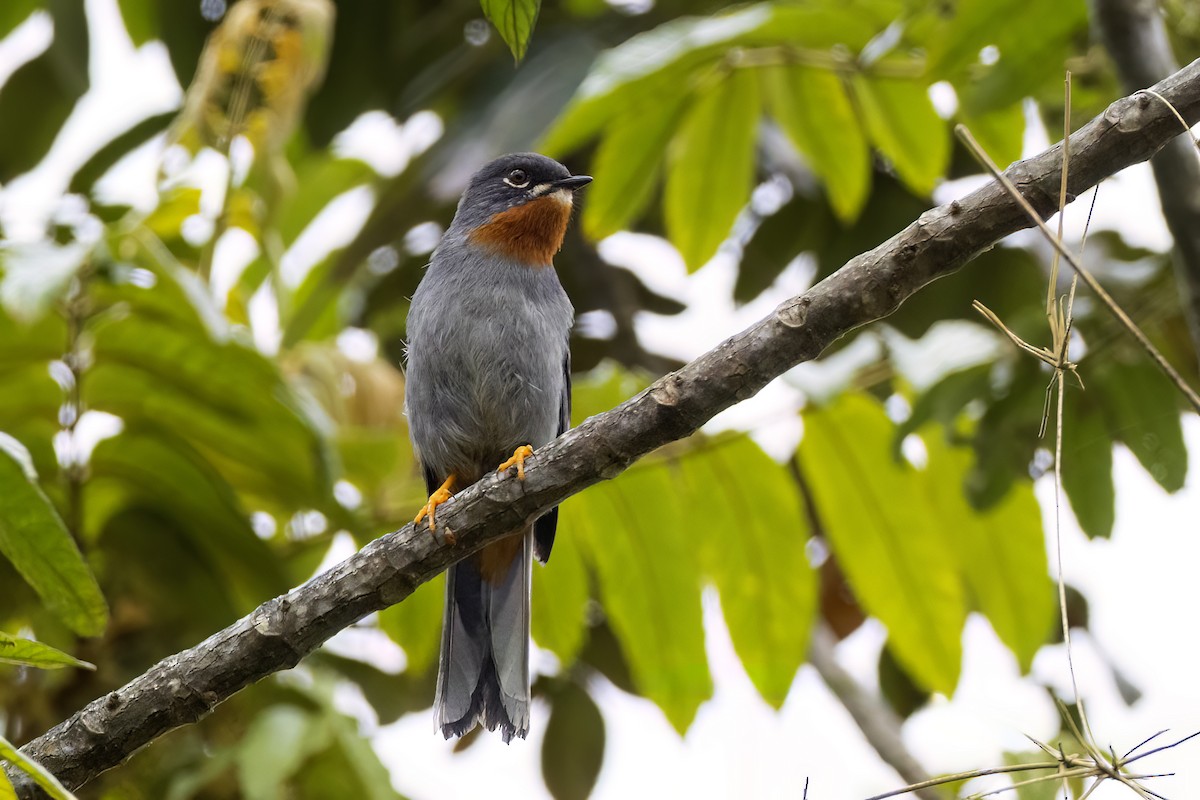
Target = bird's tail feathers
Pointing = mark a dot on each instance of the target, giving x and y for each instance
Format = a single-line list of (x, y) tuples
[(483, 672)]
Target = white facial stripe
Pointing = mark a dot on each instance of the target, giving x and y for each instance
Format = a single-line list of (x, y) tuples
[(541, 189)]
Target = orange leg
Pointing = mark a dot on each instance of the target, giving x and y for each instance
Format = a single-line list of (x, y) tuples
[(440, 496), (518, 459)]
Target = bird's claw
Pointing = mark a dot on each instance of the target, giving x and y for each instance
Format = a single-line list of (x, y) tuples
[(518, 459), (441, 495)]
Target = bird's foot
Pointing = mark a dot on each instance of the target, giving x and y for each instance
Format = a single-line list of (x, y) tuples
[(518, 459), (440, 496)]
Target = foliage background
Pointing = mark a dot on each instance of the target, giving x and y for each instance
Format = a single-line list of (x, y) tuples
[(203, 298)]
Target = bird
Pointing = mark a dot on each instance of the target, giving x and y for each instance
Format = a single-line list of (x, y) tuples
[(488, 381)]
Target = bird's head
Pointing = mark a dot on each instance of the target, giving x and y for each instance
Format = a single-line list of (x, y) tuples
[(518, 206)]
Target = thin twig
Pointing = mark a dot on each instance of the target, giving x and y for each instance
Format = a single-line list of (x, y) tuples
[(1088, 278)]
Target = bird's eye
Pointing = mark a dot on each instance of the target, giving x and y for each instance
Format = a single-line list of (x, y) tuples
[(517, 179)]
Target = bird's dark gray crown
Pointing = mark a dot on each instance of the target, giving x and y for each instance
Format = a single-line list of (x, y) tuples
[(507, 181)]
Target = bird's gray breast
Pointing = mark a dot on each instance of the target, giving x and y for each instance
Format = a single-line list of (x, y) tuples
[(487, 341)]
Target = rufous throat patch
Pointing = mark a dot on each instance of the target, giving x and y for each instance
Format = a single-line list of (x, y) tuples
[(530, 233)]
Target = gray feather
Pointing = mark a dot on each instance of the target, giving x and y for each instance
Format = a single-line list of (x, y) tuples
[(487, 344)]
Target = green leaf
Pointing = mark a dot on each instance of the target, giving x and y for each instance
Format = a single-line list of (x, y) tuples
[(36, 275), (7, 792), (1140, 409), (1000, 132), (710, 169), (573, 747), (886, 537), (656, 64), (649, 66), (34, 538), (630, 533), (1001, 551), (49, 783), (905, 128), (141, 19), (514, 20), (324, 177), (416, 624), (1087, 464), (40, 95), (14, 12), (275, 745), (812, 107), (755, 557), (223, 397), (627, 164), (560, 599), (161, 471), (133, 137), (1042, 790), (26, 652)]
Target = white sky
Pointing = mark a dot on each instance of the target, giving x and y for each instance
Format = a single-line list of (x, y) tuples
[(1140, 584)]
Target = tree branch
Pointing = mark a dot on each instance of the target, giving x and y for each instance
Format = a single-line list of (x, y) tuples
[(182, 688), (1136, 40)]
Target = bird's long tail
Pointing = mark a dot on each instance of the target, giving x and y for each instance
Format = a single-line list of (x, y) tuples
[(483, 672)]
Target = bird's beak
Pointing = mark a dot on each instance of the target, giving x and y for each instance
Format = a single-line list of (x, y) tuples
[(573, 183)]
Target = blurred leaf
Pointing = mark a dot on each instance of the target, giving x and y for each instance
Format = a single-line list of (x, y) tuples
[(603, 652), (371, 777), (757, 560), (1141, 410), (14, 12), (1087, 464), (275, 745), (323, 178), (903, 125), (514, 20), (26, 652), (416, 624), (812, 107), (1042, 790), (650, 593), (710, 171), (43, 778), (36, 275), (886, 537), (390, 696), (1001, 132), (31, 395), (175, 206), (658, 62), (223, 397), (7, 792), (37, 99), (141, 19), (802, 225), (945, 400), (627, 164), (649, 65), (1034, 41), (103, 159), (560, 598), (573, 746), (1007, 434), (163, 472), (897, 687), (34, 538), (1001, 551)]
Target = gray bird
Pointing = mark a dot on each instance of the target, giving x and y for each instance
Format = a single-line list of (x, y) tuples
[(488, 381)]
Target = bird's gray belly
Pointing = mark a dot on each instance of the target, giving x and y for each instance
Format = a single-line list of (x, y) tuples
[(483, 389)]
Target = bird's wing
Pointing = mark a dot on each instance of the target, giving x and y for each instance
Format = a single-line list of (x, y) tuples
[(544, 528)]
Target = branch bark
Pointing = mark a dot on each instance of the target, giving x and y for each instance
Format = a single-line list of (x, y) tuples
[(1136, 40), (183, 688)]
